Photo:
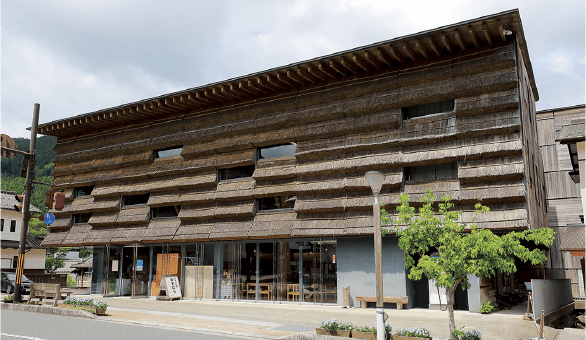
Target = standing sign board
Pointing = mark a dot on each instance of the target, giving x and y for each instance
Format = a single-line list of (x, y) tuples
[(169, 288)]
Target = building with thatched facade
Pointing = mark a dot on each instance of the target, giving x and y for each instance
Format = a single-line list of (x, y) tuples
[(253, 187)]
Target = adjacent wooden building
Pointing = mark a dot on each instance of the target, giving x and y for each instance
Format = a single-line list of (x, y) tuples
[(260, 178)]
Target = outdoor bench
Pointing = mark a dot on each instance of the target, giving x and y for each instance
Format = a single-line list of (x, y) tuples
[(45, 291), (399, 300)]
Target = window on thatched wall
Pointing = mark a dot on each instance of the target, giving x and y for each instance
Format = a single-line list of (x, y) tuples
[(135, 199), (168, 152), (274, 203), (164, 212), (432, 171), (427, 109), (237, 172), (277, 151), (81, 218), (82, 191)]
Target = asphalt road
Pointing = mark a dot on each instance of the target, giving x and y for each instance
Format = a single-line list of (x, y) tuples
[(38, 326)]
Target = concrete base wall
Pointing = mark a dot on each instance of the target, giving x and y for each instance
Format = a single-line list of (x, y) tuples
[(355, 257)]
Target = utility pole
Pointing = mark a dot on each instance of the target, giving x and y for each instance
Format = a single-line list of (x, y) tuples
[(30, 176)]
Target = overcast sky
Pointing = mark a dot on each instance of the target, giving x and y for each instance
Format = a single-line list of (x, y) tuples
[(75, 57)]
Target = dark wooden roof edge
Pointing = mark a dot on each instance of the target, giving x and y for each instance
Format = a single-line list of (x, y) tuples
[(307, 72), (583, 106)]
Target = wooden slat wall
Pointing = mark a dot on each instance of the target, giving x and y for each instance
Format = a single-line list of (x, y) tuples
[(560, 185), (341, 131), (562, 212)]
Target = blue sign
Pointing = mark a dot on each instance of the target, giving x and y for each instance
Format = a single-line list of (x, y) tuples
[(139, 265), (49, 218)]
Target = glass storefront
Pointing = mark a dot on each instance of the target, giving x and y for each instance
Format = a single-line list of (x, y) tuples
[(293, 270)]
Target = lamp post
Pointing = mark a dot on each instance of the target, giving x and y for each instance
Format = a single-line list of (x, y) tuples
[(376, 179)]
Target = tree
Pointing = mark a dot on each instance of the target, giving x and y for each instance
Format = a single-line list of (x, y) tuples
[(55, 259), (461, 249)]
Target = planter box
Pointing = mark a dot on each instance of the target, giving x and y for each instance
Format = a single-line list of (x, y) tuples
[(97, 311), (401, 337), (346, 334), (323, 331), (371, 336)]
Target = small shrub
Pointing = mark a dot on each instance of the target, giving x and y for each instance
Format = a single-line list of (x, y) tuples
[(366, 329), (332, 324), (488, 307), (9, 298), (100, 304), (71, 281), (468, 335), (414, 332)]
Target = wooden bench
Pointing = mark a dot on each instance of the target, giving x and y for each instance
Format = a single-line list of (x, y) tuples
[(45, 291), (399, 300)]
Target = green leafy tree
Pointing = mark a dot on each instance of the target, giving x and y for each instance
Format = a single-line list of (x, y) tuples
[(462, 249), (37, 227), (55, 259)]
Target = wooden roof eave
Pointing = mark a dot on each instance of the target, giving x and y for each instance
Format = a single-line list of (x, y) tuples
[(387, 55)]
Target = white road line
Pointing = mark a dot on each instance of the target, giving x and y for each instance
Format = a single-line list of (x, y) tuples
[(21, 336)]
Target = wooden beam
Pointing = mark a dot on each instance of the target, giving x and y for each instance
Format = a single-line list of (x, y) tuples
[(217, 93), (407, 51), (472, 35), (303, 73), (189, 99), (211, 95), (420, 49), (433, 46), (382, 56), (362, 64), (253, 86), (327, 70), (278, 83), (264, 85), (243, 86), (314, 71), (287, 80), (226, 91), (459, 40), (395, 54), (294, 76), (337, 67), (348, 65), (446, 42), (202, 98), (372, 60), (234, 88), (486, 33), (499, 25), (175, 103)]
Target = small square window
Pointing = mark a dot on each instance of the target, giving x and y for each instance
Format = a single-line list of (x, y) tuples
[(277, 151), (135, 199), (81, 218), (83, 191), (421, 110), (276, 203), (165, 212), (432, 171), (237, 172), (168, 152)]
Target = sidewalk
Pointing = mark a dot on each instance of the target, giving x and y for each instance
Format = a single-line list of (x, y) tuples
[(271, 321)]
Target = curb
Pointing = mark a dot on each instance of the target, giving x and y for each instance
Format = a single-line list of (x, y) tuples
[(48, 310)]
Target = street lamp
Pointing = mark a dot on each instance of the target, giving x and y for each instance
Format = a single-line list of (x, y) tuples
[(376, 179)]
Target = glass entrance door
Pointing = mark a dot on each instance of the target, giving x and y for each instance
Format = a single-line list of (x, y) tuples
[(140, 267), (112, 273)]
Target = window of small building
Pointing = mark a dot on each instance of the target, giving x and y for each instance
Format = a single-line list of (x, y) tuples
[(432, 171), (165, 212), (13, 226), (83, 191), (237, 172), (81, 218), (277, 151), (135, 199), (14, 262), (421, 110), (168, 152), (2, 225), (275, 203)]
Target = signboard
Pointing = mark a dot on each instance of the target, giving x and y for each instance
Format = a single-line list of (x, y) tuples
[(49, 218), (139, 265), (170, 288)]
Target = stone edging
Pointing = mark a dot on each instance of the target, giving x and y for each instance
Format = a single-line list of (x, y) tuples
[(48, 310)]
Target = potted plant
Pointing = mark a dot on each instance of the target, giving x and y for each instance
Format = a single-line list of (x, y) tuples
[(345, 329), (468, 335), (329, 327), (370, 333), (100, 307), (412, 334), (8, 299)]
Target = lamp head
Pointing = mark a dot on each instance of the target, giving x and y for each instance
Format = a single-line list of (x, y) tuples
[(375, 179)]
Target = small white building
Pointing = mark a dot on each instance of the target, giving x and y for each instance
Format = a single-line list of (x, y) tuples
[(11, 224)]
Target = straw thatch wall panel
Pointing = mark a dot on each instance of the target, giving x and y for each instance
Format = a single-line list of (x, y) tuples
[(373, 140), (100, 235), (132, 188), (201, 179), (83, 179), (229, 143), (436, 186), (485, 82), (69, 194), (61, 222), (271, 169), (133, 214), (564, 160), (107, 163), (562, 212), (317, 232), (321, 167), (63, 180), (323, 203), (197, 212), (92, 204), (231, 229), (549, 154), (103, 219), (487, 103), (487, 124), (560, 185), (62, 170), (565, 117), (332, 183), (273, 224), (360, 200), (492, 171), (321, 147), (505, 191), (54, 238), (193, 232), (426, 127), (197, 195), (76, 235), (201, 163), (108, 176), (238, 158), (545, 131), (63, 212), (158, 199), (236, 189), (105, 190), (161, 229), (281, 187), (165, 166), (128, 234), (235, 209)]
